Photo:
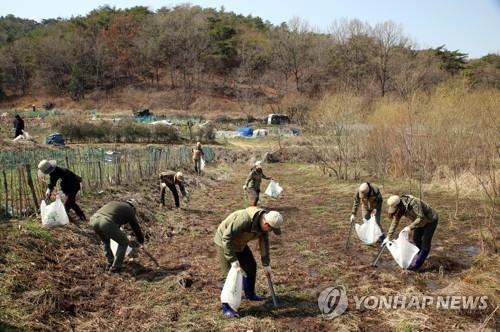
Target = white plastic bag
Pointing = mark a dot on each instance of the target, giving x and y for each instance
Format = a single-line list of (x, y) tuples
[(368, 232), (233, 289), (273, 189), (54, 214), (402, 250), (114, 246), (202, 164)]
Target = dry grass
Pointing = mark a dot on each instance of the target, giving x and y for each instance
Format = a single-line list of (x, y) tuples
[(56, 282)]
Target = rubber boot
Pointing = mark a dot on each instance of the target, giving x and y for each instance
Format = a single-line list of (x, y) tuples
[(119, 257), (228, 311), (249, 290), (418, 260)]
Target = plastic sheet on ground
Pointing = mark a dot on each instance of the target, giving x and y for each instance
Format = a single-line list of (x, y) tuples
[(402, 250), (233, 289), (54, 214), (274, 189), (369, 231)]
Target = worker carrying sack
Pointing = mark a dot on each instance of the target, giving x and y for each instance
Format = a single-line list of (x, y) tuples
[(233, 289), (368, 232), (273, 189), (54, 214), (402, 250)]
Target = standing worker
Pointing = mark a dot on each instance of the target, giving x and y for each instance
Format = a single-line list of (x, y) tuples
[(170, 179), (252, 184), (371, 204), (231, 239), (18, 125), (70, 184), (424, 222), (106, 224), (197, 155)]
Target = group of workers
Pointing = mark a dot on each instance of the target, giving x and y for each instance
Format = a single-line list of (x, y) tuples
[(423, 218), (242, 226)]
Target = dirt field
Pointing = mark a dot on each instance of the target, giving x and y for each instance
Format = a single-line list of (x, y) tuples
[(54, 279)]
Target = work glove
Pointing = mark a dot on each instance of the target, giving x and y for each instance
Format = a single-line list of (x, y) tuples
[(352, 217), (407, 229), (245, 187), (267, 270), (374, 212), (386, 240)]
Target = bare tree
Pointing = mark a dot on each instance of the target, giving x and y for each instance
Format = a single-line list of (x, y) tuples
[(389, 39)]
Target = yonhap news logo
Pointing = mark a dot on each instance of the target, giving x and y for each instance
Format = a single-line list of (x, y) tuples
[(332, 302)]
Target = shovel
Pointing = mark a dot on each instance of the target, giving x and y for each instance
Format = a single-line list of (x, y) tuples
[(150, 256), (271, 287), (377, 258), (349, 236)]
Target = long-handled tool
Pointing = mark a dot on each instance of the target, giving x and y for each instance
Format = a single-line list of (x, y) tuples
[(271, 287), (375, 261), (150, 256), (349, 236)]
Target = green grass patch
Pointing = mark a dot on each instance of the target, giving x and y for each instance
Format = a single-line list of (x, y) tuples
[(36, 230)]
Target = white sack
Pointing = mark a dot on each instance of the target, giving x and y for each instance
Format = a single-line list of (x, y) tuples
[(274, 189), (233, 289), (369, 231), (114, 246), (402, 250), (54, 214)]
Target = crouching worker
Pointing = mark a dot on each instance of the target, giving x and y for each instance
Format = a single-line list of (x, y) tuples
[(70, 184), (231, 239), (424, 222), (170, 179), (371, 204), (106, 223)]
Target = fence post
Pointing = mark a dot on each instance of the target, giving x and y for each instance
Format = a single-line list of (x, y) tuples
[(6, 192), (32, 187)]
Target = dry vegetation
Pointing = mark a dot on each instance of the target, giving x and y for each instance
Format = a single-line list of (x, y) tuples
[(53, 280)]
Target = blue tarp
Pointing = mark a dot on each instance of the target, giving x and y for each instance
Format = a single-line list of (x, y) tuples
[(246, 132), (55, 139)]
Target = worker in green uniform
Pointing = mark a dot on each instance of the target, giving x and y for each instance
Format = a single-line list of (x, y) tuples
[(424, 222), (106, 223), (371, 200), (252, 183), (231, 239)]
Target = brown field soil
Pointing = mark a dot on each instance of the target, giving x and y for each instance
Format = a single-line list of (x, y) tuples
[(55, 280)]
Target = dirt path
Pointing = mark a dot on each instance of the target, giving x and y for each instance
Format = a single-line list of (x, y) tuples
[(60, 280)]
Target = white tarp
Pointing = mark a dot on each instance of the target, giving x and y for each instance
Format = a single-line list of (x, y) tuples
[(54, 214), (402, 250), (369, 231), (233, 289), (274, 189)]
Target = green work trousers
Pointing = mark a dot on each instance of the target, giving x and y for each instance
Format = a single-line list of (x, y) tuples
[(107, 230)]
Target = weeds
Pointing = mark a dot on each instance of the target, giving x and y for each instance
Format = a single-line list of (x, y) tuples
[(36, 230)]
